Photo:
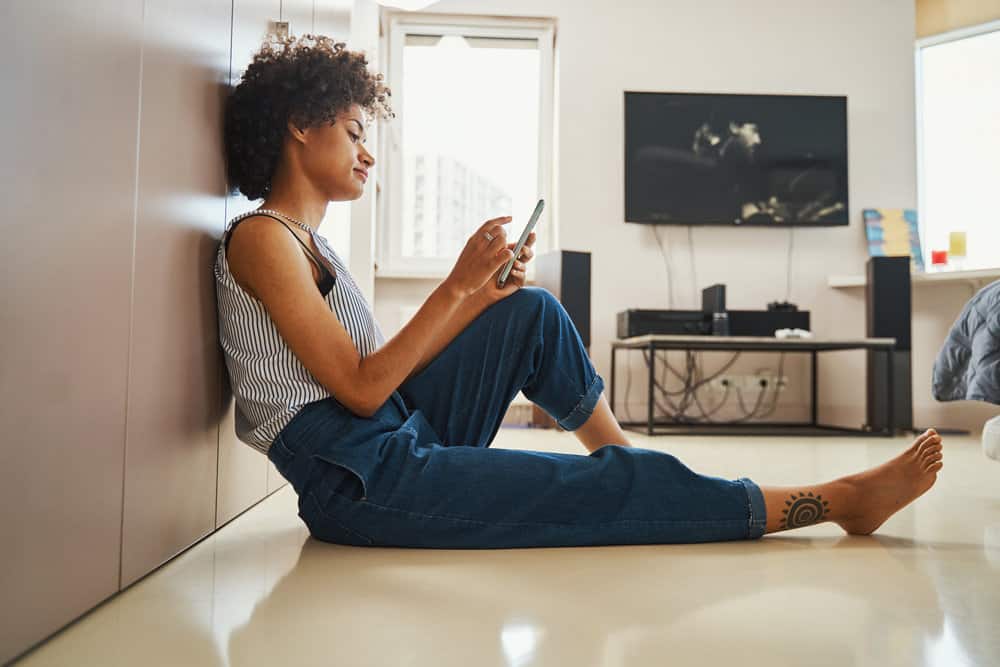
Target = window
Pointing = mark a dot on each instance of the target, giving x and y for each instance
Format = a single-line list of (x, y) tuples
[(336, 227), (958, 107), (472, 137)]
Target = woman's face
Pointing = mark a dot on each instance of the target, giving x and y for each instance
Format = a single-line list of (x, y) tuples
[(335, 158)]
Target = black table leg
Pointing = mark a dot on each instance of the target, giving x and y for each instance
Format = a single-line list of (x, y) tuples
[(814, 392), (613, 351), (890, 425), (649, 406)]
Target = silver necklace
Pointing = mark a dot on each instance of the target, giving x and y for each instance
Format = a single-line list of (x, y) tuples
[(286, 217)]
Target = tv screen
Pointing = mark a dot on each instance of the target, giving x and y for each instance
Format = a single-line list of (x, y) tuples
[(698, 158)]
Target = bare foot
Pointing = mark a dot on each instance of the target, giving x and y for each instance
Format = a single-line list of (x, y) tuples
[(879, 493)]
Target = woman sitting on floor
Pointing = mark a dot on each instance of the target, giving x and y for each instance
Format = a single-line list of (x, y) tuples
[(387, 442)]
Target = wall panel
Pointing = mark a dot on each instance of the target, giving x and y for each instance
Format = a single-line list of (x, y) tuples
[(67, 183), (243, 472), (173, 409)]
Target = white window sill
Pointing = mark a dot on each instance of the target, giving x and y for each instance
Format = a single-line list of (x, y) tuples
[(412, 274), (408, 275)]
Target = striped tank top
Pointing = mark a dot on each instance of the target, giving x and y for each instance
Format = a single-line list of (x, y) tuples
[(269, 383)]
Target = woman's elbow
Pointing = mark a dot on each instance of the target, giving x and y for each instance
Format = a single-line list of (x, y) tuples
[(365, 405), (354, 393), (365, 411)]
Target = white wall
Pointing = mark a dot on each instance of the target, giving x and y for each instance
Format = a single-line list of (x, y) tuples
[(857, 48)]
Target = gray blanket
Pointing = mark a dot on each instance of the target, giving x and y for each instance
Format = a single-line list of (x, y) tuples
[(968, 366)]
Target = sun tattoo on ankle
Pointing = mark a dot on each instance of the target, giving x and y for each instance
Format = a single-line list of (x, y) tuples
[(804, 510)]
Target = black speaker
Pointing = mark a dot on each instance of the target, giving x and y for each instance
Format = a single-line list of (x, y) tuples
[(713, 299), (888, 310), (566, 273)]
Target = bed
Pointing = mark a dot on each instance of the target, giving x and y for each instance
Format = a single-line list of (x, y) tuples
[(968, 366)]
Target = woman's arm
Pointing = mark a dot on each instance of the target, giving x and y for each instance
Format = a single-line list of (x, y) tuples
[(474, 305), (415, 345), (468, 310), (467, 291)]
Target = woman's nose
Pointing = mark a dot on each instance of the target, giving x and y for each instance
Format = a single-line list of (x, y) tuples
[(368, 159)]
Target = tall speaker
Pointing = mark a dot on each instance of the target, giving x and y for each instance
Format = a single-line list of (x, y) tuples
[(888, 308), (566, 273)]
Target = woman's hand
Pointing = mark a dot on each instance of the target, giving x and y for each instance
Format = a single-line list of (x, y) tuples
[(484, 254), (490, 293)]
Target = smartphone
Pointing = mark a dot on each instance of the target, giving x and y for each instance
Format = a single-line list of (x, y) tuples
[(520, 243)]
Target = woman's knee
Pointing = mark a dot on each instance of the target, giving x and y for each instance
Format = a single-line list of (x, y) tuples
[(530, 309), (533, 297), (534, 305)]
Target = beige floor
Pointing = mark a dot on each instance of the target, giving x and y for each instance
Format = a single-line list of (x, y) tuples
[(925, 590)]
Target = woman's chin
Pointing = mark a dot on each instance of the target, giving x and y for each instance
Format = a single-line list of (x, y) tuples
[(357, 193)]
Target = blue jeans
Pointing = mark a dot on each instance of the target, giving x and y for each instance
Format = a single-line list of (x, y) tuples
[(420, 472)]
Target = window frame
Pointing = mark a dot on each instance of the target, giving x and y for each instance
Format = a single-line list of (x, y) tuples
[(389, 260), (922, 43)]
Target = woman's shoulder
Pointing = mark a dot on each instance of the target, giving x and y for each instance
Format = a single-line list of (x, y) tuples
[(252, 239)]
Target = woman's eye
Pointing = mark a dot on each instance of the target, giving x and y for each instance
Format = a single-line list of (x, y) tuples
[(354, 137)]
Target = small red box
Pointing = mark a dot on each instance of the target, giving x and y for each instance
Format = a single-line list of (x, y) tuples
[(939, 256)]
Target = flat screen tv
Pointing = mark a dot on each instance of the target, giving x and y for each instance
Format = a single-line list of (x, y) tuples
[(760, 160)]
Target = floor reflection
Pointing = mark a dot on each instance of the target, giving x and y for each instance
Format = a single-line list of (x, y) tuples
[(848, 600)]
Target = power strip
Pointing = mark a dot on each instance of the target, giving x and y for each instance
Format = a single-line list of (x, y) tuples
[(747, 382)]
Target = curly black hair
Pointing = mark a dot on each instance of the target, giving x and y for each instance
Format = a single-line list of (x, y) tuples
[(307, 79)]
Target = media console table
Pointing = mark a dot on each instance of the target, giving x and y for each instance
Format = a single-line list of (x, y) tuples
[(668, 426)]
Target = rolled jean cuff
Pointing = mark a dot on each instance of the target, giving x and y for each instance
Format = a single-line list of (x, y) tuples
[(758, 511), (584, 408)]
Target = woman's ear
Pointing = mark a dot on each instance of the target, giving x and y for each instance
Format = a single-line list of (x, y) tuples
[(297, 133)]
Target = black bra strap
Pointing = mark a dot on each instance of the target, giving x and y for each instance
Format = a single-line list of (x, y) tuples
[(326, 284)]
